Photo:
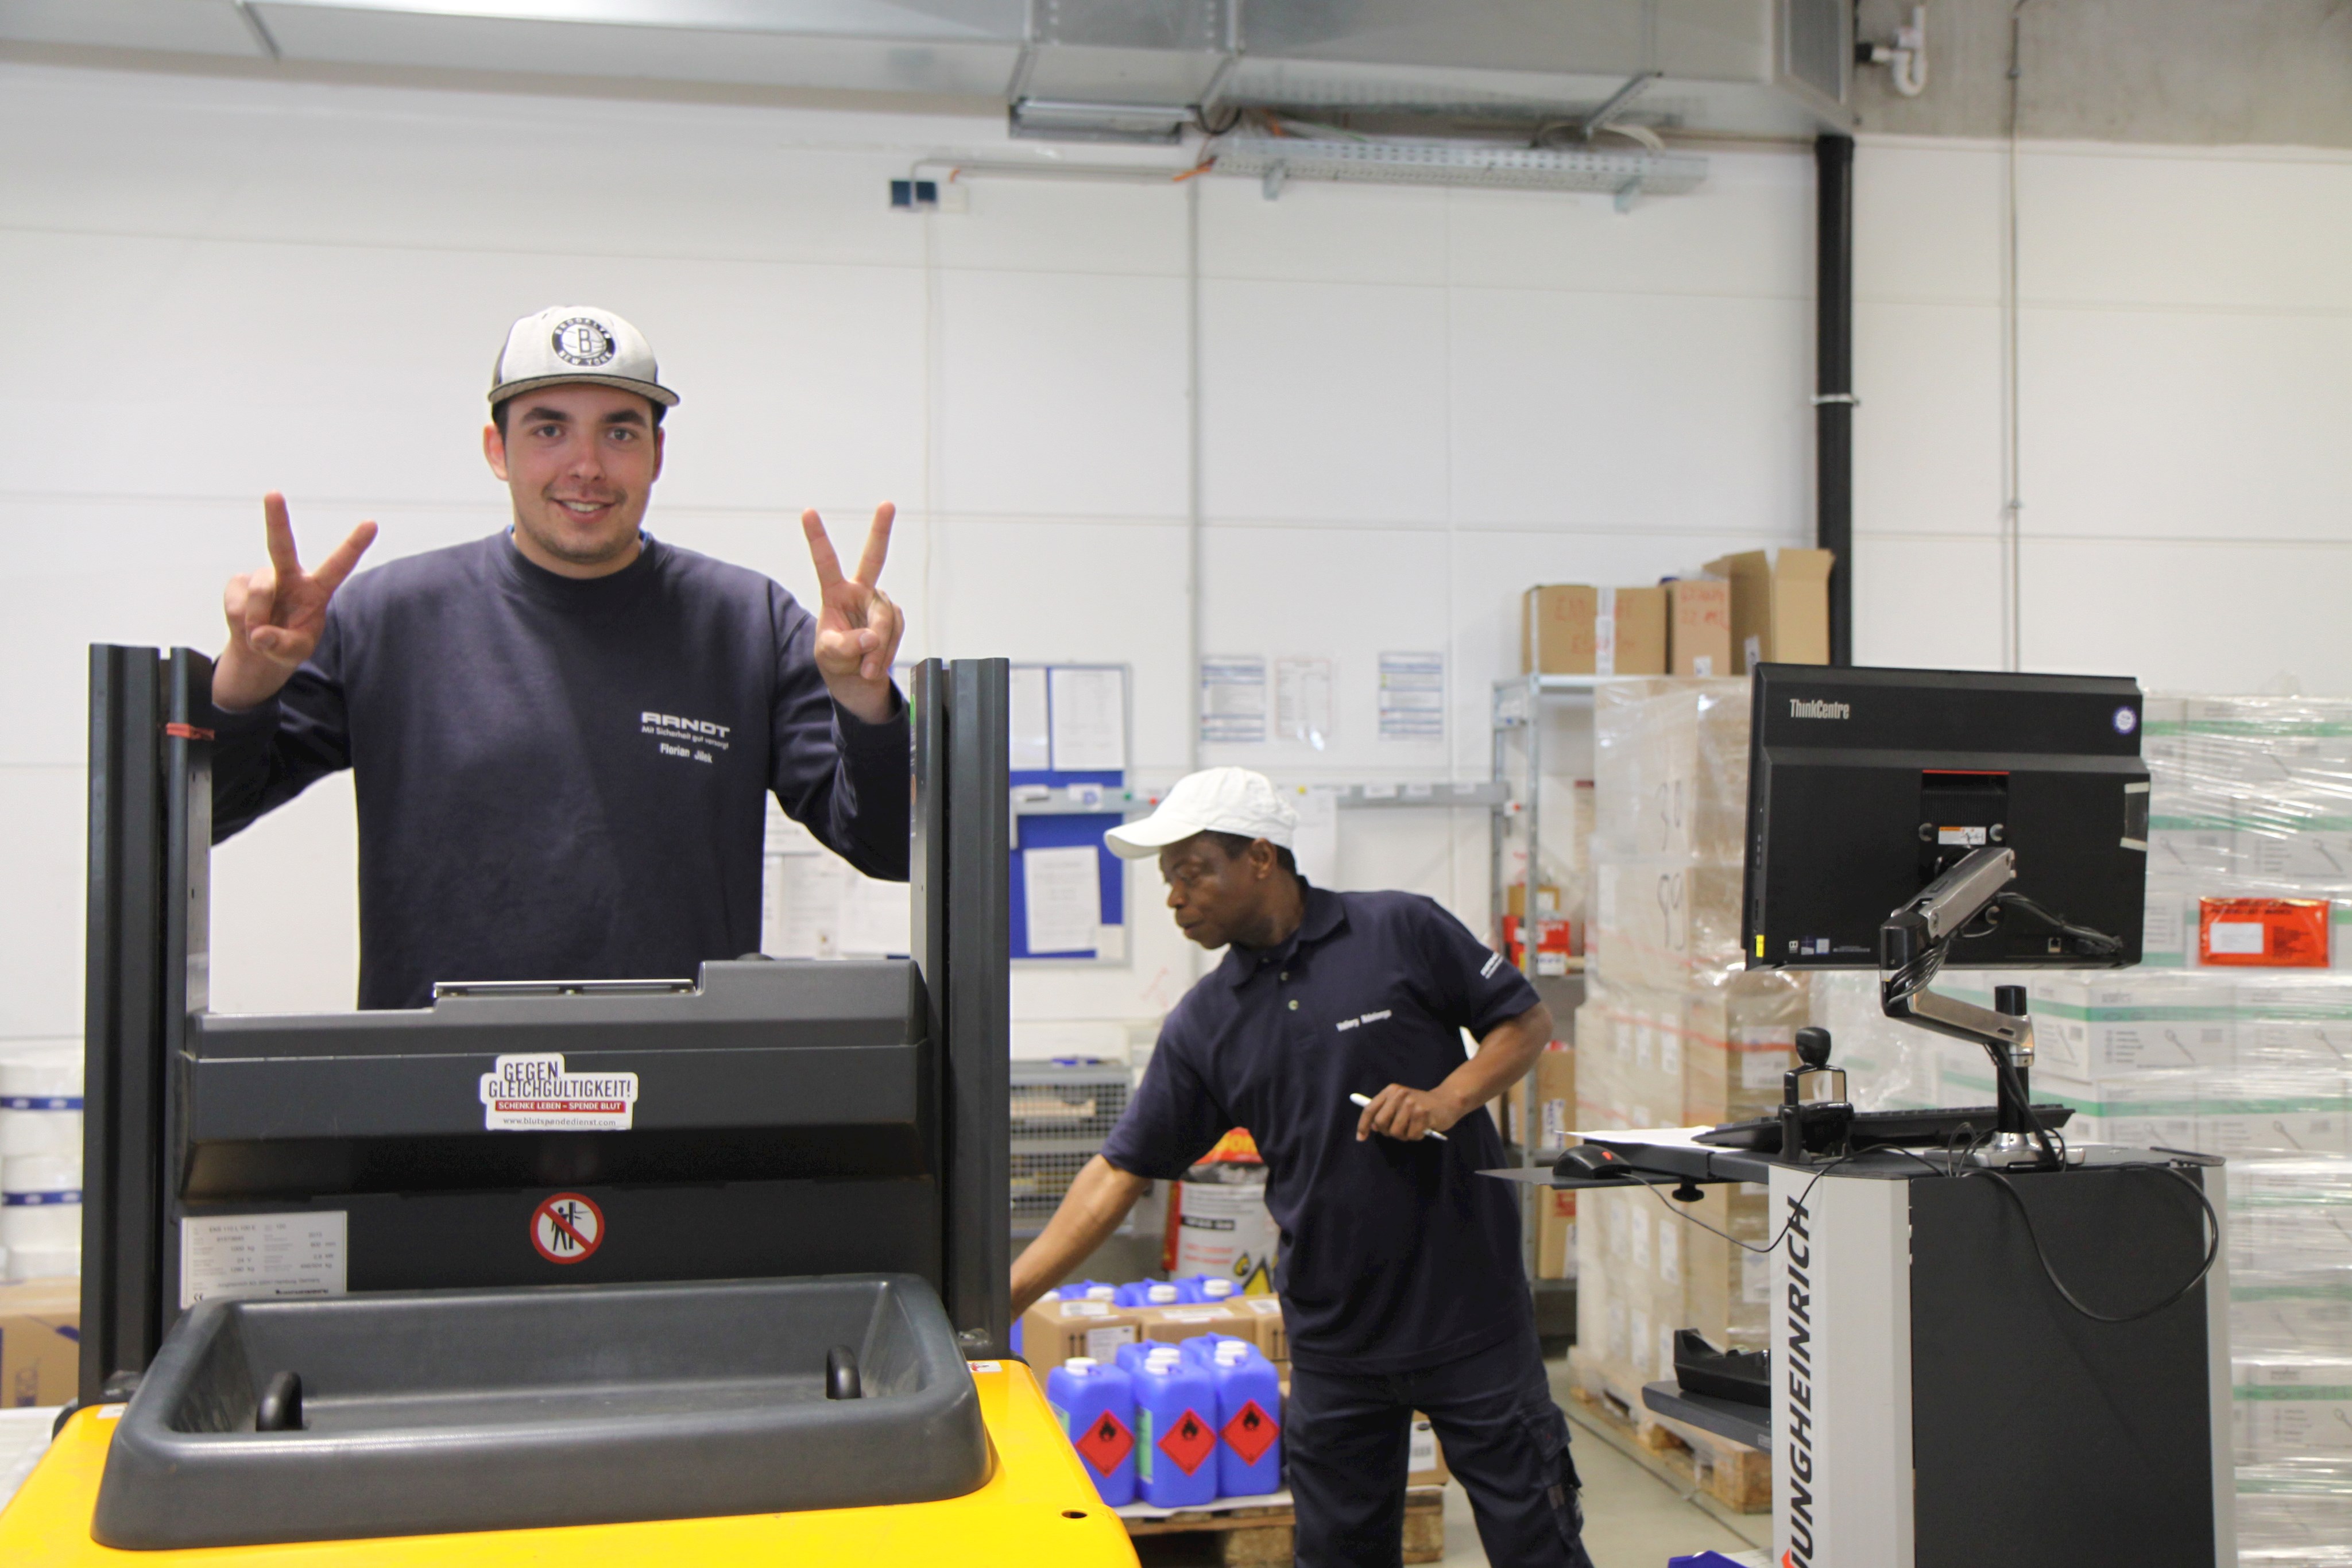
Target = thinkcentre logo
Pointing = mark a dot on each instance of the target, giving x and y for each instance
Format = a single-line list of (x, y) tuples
[(1815, 708)]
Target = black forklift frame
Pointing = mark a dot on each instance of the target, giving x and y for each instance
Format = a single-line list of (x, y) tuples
[(150, 847)]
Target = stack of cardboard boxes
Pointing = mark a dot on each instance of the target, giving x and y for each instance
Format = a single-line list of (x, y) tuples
[(2234, 1037), (1555, 1118), (1743, 611), (1674, 1032)]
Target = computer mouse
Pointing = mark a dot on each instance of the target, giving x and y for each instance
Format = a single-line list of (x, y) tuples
[(1590, 1160)]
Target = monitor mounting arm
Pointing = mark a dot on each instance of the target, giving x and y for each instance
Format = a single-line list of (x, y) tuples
[(1910, 946)]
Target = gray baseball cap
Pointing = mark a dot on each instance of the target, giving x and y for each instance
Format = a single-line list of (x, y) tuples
[(565, 345)]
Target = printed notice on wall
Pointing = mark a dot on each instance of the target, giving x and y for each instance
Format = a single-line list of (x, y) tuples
[(1413, 696), (1302, 701), (1232, 700), (243, 1255), (1090, 719), (1063, 891)]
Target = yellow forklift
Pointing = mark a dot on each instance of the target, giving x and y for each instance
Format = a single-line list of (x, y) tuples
[(711, 1269)]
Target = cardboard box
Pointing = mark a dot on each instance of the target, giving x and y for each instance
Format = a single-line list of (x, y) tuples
[(1555, 1234), (1555, 1101), (1054, 1331), (1556, 626), (1272, 1338), (1699, 636), (1780, 606), (1425, 1460), (1629, 636), (1515, 900), (1568, 629), (40, 1342), (1168, 1325)]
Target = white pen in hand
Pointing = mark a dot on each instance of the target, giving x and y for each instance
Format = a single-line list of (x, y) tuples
[(1366, 1100)]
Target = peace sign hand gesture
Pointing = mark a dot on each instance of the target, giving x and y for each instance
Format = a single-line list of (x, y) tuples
[(857, 627), (276, 614)]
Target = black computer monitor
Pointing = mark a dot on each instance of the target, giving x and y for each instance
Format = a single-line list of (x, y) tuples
[(1864, 784)]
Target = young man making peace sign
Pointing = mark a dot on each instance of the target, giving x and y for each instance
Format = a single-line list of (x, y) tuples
[(563, 735)]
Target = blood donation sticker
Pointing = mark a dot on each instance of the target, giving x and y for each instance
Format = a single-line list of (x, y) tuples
[(1189, 1442), (567, 1228), (1104, 1444)]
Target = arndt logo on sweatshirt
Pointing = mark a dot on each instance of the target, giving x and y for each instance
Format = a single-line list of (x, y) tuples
[(693, 739), (536, 1093)]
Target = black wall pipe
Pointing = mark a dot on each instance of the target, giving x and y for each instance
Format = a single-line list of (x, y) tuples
[(1833, 401)]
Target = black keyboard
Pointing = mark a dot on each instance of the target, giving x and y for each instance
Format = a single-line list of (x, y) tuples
[(1885, 1129)]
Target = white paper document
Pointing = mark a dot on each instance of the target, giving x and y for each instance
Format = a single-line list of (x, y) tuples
[(877, 918), (1413, 696), (300, 1254), (1233, 700), (1302, 701), (1063, 891), (1031, 740), (1316, 845), (1090, 707)]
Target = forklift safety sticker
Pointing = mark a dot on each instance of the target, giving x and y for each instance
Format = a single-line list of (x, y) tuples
[(567, 1228), (535, 1094)]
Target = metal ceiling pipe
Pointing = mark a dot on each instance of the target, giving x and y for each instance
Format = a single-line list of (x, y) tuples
[(1833, 399)]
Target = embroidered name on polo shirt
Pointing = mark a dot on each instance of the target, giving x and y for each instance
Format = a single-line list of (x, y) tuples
[(1367, 1017)]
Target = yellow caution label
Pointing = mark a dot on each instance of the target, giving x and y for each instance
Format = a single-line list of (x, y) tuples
[(1759, 944)]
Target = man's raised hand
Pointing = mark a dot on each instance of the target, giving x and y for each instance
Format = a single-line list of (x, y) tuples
[(857, 627), (275, 615)]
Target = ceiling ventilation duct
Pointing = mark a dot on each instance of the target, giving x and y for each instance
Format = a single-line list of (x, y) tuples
[(1130, 69)]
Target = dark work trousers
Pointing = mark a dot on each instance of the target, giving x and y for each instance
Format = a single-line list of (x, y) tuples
[(1346, 1436)]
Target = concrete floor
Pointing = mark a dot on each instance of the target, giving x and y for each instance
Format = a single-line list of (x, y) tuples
[(1631, 1518)]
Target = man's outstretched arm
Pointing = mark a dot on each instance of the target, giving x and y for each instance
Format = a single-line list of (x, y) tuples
[(1098, 1198)]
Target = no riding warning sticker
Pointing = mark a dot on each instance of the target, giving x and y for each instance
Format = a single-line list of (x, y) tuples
[(567, 1228)]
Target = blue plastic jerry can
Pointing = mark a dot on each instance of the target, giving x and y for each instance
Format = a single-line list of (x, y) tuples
[(1096, 1405), (1202, 1348), (1249, 1419), (1175, 1433), (1149, 1293), (1197, 1290)]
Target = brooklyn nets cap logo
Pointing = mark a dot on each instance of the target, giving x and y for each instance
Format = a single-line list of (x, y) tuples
[(583, 340)]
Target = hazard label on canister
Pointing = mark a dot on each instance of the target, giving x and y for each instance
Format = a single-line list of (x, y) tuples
[(1189, 1442), (1104, 1444), (567, 1228), (1252, 1432)]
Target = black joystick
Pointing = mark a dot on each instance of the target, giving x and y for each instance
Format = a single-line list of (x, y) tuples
[(1814, 1043)]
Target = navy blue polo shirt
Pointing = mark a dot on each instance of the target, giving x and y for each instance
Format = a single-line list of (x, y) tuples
[(1395, 1256)]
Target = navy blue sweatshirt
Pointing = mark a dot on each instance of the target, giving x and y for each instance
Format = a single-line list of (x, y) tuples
[(561, 778)]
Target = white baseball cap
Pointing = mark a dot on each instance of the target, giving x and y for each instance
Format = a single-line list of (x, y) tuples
[(564, 345), (1215, 800)]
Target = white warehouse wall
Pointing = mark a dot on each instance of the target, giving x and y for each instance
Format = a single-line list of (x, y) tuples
[(2185, 380), (1413, 403)]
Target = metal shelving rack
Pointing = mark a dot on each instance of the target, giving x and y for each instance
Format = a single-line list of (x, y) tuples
[(1518, 709)]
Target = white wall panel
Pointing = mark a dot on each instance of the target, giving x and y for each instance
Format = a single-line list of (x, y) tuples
[(2204, 616), (1748, 231), (1588, 411), (1318, 233), (1928, 601), (2207, 228), (42, 812), (1323, 402), (2196, 424), (1062, 394), (1928, 436)]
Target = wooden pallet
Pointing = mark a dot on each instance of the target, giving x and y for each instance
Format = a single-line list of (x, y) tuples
[(1261, 1537), (1733, 1474)]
